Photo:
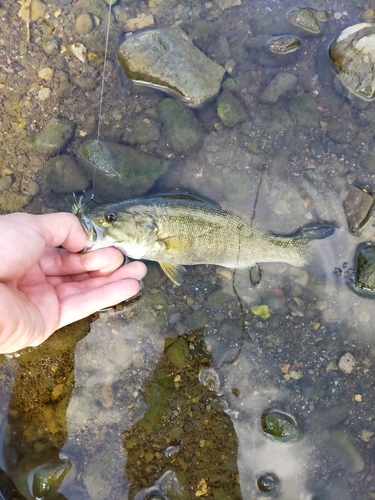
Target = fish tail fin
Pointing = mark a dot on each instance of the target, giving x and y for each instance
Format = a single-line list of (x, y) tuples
[(315, 231), (326, 251)]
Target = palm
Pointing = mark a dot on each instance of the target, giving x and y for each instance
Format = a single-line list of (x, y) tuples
[(44, 288)]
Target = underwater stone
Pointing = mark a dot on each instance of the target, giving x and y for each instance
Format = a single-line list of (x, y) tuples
[(120, 172), (166, 59), (280, 425), (178, 353), (53, 136), (209, 377), (230, 111), (304, 111), (284, 44), (47, 478), (278, 86), (262, 311), (268, 483), (365, 268), (307, 19), (353, 54), (357, 207), (183, 129), (64, 175)]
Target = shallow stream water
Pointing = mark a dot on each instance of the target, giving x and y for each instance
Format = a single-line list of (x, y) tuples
[(163, 397)]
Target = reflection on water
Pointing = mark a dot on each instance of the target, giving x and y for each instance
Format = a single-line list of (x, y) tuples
[(164, 397)]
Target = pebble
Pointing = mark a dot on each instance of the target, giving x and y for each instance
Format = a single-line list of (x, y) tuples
[(44, 94), (45, 74), (84, 24), (138, 23), (51, 46), (347, 363), (174, 317)]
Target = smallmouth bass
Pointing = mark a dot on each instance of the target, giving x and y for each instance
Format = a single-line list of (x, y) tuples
[(178, 229)]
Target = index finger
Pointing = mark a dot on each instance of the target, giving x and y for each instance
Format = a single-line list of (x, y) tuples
[(24, 238), (57, 229)]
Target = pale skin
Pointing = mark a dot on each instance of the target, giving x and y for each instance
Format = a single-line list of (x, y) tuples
[(43, 288)]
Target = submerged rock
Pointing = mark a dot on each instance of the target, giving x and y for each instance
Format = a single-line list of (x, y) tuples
[(183, 129), (307, 19), (284, 44), (280, 425), (268, 483), (166, 59), (278, 86), (365, 268), (64, 175), (353, 54), (120, 172), (229, 109), (357, 207), (53, 136)]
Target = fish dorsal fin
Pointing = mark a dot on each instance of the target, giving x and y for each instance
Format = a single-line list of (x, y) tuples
[(180, 196), (174, 271)]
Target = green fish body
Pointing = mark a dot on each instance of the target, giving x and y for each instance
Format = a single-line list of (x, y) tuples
[(178, 230)]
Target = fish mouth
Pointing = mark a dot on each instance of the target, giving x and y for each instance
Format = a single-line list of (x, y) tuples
[(91, 231)]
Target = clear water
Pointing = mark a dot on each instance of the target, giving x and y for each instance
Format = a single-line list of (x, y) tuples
[(113, 394)]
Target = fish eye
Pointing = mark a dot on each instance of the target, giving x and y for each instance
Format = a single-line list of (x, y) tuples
[(110, 217)]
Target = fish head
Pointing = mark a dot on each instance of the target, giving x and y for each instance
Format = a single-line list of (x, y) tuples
[(115, 225)]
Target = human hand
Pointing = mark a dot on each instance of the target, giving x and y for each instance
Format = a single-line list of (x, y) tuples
[(43, 288)]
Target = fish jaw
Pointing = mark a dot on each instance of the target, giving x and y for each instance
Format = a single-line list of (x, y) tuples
[(95, 238)]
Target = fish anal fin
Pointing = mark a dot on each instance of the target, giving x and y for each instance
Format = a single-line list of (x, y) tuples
[(174, 271)]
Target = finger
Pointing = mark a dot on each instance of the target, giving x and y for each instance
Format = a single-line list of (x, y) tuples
[(78, 306), (135, 270), (57, 229), (59, 262)]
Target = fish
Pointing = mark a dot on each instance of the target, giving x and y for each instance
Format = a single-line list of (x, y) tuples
[(178, 230)]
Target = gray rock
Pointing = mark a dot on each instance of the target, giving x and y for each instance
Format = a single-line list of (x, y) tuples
[(304, 111), (284, 44), (166, 59), (280, 85), (307, 19), (120, 172), (365, 268), (353, 54), (357, 207), (342, 131), (63, 175), (183, 129), (54, 136)]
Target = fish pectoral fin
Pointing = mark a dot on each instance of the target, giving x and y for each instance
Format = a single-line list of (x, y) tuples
[(174, 271)]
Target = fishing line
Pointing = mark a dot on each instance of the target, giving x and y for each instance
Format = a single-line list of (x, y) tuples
[(102, 90), (241, 305)]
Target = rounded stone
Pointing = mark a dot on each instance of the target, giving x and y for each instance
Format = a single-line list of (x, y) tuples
[(280, 425), (51, 46), (64, 175), (54, 135), (347, 363), (268, 483), (84, 24), (353, 54), (45, 74)]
